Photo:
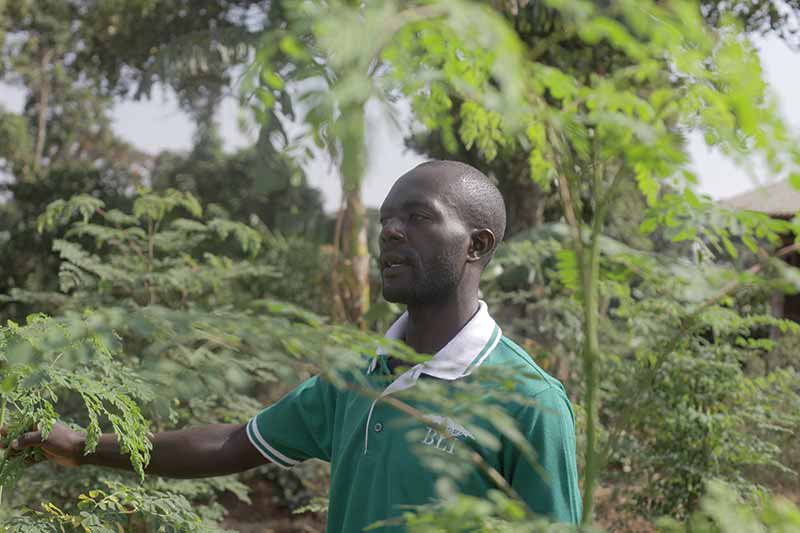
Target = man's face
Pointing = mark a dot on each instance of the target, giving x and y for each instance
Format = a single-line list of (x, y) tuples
[(423, 242)]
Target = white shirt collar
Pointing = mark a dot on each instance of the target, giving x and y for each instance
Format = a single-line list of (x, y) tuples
[(463, 354)]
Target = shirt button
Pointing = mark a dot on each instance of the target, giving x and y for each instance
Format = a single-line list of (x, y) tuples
[(378, 427)]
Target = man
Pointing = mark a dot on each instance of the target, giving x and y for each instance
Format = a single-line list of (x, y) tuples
[(441, 223)]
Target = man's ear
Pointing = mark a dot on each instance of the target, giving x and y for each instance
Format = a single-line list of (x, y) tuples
[(481, 244)]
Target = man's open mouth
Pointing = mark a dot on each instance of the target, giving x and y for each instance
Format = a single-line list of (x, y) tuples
[(392, 262)]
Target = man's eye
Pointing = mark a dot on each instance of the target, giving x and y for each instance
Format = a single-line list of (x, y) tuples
[(418, 216)]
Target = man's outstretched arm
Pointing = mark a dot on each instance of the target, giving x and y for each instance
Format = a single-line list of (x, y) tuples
[(206, 451)]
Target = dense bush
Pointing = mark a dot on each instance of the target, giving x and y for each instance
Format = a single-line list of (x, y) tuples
[(682, 402), (150, 307)]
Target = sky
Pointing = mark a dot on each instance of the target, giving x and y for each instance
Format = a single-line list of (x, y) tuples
[(157, 124)]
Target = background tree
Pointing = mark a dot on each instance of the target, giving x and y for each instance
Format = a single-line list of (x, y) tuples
[(62, 142), (258, 181), (486, 145), (72, 59), (334, 88)]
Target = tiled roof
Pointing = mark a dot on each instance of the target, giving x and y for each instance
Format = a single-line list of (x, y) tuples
[(778, 199)]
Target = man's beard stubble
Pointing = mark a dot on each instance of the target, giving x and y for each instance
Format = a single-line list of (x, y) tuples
[(431, 285)]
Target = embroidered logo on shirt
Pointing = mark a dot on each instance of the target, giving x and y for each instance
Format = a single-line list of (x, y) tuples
[(446, 442)]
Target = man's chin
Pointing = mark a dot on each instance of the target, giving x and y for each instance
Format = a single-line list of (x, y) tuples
[(397, 295)]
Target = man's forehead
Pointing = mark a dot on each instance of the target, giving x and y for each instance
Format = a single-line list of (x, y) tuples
[(420, 187), (417, 192)]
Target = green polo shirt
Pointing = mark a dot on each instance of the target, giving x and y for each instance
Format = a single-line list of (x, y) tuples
[(380, 457)]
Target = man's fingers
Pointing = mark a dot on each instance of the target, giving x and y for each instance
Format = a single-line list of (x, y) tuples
[(27, 440), (5, 444)]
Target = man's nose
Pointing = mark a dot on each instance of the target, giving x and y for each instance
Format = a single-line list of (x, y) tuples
[(393, 231)]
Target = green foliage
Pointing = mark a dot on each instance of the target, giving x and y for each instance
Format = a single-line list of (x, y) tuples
[(155, 254), (699, 414), (118, 507), (671, 342), (216, 358), (496, 513), (582, 101), (15, 138), (260, 181), (159, 284), (40, 376), (72, 59), (599, 101), (721, 511)]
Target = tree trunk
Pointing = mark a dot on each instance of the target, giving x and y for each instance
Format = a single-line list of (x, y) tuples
[(590, 274), (44, 103), (350, 275)]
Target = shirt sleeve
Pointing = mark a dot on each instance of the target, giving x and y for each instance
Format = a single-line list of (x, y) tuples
[(551, 487), (298, 427)]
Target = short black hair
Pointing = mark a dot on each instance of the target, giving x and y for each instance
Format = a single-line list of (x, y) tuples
[(479, 201)]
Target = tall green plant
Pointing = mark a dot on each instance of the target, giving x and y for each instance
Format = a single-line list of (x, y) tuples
[(39, 372), (589, 132)]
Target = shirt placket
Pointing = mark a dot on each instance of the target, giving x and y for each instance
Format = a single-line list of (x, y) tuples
[(404, 381)]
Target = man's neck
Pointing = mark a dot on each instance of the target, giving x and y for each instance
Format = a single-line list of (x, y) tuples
[(432, 326)]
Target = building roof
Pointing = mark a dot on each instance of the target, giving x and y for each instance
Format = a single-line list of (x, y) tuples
[(778, 199)]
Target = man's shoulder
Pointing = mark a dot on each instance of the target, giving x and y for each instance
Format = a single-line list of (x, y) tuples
[(531, 379)]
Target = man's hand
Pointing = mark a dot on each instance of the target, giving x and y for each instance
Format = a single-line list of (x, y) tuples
[(214, 450), (63, 445)]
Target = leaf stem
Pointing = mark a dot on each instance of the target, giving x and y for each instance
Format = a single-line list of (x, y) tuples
[(2, 424)]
